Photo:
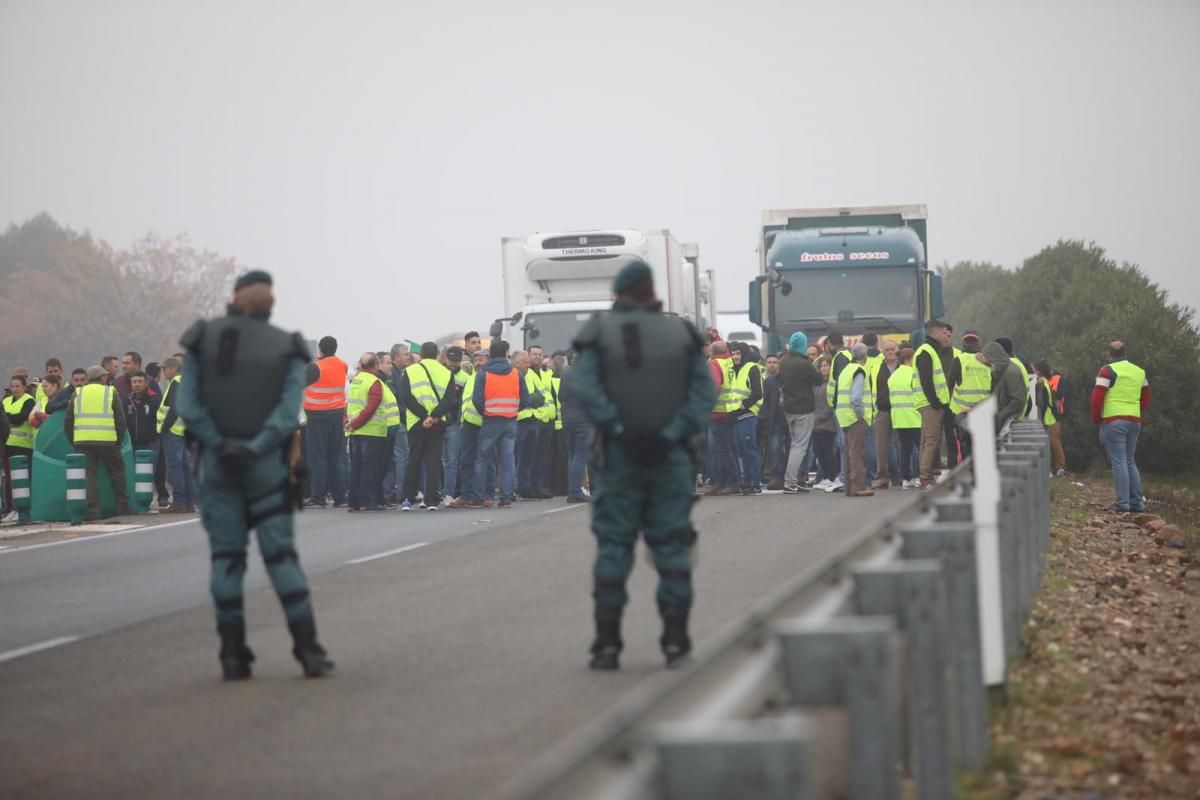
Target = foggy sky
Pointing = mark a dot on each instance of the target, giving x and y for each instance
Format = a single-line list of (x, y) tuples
[(372, 154)]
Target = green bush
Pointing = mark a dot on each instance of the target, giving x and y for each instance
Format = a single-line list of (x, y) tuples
[(1065, 305)]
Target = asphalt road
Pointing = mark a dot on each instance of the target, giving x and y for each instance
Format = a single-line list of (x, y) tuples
[(459, 661)]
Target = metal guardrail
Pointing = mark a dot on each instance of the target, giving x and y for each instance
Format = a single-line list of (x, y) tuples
[(863, 670)]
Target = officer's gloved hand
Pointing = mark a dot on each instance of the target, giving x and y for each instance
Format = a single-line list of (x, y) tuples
[(647, 448), (235, 456)]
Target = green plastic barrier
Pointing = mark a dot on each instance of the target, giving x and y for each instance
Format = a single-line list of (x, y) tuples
[(50, 473)]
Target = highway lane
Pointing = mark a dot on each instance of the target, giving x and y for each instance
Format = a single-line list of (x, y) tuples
[(458, 662), (86, 586)]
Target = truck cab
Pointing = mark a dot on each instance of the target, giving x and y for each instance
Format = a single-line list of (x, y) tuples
[(844, 270)]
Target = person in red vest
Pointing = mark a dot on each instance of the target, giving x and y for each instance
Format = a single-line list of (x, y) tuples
[(325, 436)]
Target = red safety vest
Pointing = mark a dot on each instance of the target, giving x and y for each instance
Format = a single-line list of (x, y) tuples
[(329, 391), (502, 395)]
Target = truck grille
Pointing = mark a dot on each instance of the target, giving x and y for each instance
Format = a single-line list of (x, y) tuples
[(583, 240)]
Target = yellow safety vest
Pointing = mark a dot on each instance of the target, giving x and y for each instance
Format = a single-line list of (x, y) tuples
[(727, 400), (532, 388), (556, 392), (1124, 397), (356, 401), (975, 387), (389, 407), (873, 365), (20, 435), (428, 381), (741, 386), (39, 397), (1048, 415), (845, 408), (177, 428), (939, 379), (469, 415), (831, 387), (541, 383), (1025, 382), (901, 388), (94, 421)]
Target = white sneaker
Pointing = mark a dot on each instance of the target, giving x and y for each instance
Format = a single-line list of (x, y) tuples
[(11, 516), (911, 483), (834, 485)]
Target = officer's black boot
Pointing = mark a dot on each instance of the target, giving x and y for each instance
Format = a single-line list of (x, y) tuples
[(236, 657), (675, 642), (606, 649), (308, 652)]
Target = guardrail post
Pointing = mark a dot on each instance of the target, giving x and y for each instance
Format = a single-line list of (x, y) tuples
[(953, 543), (767, 760), (989, 559), (914, 592), (143, 482), (76, 487), (19, 470), (852, 661)]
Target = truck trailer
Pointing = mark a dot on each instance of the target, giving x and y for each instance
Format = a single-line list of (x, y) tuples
[(844, 270), (556, 282)]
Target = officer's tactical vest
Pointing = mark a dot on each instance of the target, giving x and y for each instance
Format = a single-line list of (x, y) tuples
[(242, 363), (644, 362)]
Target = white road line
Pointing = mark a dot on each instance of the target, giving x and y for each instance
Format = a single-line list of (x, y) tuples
[(567, 508), (395, 552), (27, 548), (37, 648)]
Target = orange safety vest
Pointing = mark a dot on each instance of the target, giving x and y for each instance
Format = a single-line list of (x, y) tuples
[(329, 391), (1060, 405), (502, 395)]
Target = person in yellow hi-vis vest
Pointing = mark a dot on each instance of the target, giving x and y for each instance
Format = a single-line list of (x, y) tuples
[(855, 412), (95, 425), (366, 426), (428, 392), (175, 450), (1119, 399)]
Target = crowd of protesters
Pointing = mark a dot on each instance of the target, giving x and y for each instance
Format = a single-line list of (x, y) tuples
[(469, 426)]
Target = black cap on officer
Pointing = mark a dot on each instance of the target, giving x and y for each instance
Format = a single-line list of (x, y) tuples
[(252, 277)]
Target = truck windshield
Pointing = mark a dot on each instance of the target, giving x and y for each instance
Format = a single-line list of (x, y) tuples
[(554, 330), (830, 294)]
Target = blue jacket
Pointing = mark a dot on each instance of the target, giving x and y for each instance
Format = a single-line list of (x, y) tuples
[(500, 366)]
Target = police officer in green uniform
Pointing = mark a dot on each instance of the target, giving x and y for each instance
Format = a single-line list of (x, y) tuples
[(246, 477), (642, 380)]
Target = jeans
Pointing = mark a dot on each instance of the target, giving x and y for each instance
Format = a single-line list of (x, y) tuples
[(1119, 439), (451, 450), (498, 434), (179, 469), (870, 453), (747, 443), (579, 445), (545, 454), (365, 460), (800, 435), (721, 458), (841, 444), (160, 472), (467, 454), (526, 455), (778, 447), (325, 440)]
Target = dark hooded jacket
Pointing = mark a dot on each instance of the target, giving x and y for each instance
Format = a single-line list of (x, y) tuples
[(1007, 385)]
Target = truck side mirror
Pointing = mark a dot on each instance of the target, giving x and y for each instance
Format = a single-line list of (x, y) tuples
[(937, 303), (496, 329)]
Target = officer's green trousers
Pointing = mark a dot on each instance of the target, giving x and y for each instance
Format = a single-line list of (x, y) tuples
[(628, 497), (230, 506)]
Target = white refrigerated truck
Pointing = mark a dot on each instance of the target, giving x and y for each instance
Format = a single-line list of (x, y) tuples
[(555, 282)]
